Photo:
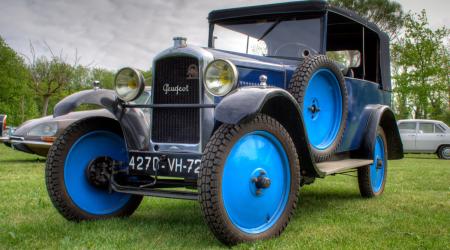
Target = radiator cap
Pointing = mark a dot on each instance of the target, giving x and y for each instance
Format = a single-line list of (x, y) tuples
[(179, 42)]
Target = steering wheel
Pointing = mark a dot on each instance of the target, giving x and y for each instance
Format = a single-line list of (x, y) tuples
[(302, 49)]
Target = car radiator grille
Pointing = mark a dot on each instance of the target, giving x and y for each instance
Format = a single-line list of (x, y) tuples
[(175, 125)]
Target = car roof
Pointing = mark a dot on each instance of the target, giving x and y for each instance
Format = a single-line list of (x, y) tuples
[(290, 8)]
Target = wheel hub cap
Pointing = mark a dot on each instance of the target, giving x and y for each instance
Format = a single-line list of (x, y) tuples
[(259, 182), (377, 168), (255, 182), (99, 171), (322, 109)]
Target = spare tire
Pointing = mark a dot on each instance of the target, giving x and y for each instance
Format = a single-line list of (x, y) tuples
[(318, 86)]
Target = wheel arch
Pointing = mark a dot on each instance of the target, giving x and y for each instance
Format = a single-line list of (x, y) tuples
[(245, 103), (383, 116), (130, 120)]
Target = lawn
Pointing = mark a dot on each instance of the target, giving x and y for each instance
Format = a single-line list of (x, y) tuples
[(414, 212)]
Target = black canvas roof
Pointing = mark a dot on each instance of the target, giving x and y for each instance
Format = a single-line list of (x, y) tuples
[(308, 8), (289, 8)]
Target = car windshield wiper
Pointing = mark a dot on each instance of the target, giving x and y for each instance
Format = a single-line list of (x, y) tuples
[(269, 29)]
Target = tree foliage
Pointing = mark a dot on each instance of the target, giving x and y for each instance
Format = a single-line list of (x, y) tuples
[(387, 14), (50, 76), (421, 70), (17, 100)]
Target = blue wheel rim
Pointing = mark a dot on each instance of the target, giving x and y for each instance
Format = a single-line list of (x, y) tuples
[(376, 170), (322, 108), (255, 152), (87, 148)]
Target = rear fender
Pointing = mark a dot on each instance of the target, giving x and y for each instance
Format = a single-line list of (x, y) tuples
[(245, 103), (380, 115), (132, 121)]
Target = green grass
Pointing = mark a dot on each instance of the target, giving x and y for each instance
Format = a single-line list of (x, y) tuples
[(414, 212)]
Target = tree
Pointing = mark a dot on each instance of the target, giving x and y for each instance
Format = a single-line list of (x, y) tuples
[(16, 99), (49, 77), (387, 14), (421, 70)]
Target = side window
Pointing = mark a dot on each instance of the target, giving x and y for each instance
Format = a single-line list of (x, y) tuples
[(407, 127), (348, 58), (438, 129), (426, 128)]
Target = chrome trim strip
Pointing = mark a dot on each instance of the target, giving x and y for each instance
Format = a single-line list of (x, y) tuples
[(31, 142)]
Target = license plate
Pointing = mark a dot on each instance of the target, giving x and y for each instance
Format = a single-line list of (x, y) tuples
[(175, 165)]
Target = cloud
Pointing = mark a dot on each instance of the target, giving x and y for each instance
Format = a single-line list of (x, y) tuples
[(107, 33)]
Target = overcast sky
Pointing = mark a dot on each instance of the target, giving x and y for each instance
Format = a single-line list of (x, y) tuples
[(116, 33)]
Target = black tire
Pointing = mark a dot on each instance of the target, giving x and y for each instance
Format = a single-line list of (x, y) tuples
[(443, 152), (364, 178), (55, 166), (298, 85), (210, 179)]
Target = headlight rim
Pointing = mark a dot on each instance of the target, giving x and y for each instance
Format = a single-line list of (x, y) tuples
[(235, 73), (141, 84)]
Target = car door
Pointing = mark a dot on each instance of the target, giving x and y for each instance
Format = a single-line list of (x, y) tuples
[(408, 134), (443, 136), (426, 139)]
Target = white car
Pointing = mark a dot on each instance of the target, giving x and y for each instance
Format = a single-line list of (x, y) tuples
[(425, 136)]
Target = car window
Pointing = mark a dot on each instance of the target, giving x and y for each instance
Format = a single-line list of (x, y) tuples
[(409, 127), (438, 129), (426, 128), (348, 58)]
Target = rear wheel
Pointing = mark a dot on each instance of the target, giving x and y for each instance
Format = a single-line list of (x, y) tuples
[(249, 182), (78, 166), (372, 178), (444, 152)]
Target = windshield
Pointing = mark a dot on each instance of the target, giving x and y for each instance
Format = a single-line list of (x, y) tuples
[(289, 38)]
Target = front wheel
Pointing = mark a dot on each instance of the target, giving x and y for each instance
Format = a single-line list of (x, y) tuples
[(77, 170), (249, 181), (372, 178)]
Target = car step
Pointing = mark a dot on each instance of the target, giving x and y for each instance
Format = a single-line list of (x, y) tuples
[(333, 167)]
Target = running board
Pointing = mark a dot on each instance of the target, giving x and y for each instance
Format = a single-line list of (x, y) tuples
[(333, 167)]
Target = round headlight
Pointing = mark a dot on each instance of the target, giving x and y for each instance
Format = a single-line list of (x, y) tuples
[(220, 77), (129, 84)]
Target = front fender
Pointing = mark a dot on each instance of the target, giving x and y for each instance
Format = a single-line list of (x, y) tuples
[(135, 128), (102, 97), (380, 115), (245, 103)]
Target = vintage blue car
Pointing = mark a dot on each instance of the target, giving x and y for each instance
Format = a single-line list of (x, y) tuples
[(282, 94)]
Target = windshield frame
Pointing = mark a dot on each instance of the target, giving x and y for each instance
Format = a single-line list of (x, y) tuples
[(321, 15)]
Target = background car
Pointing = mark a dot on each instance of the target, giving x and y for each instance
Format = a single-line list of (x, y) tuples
[(425, 136), (36, 136)]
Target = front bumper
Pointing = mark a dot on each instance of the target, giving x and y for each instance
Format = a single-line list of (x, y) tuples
[(28, 146)]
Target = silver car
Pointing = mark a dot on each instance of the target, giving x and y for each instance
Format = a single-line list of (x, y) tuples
[(425, 136), (36, 136)]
